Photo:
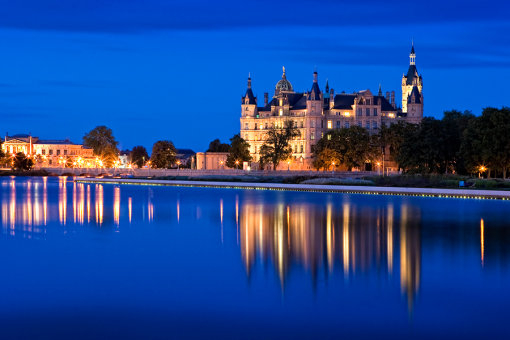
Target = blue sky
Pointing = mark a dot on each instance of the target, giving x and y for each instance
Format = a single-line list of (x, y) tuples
[(176, 70)]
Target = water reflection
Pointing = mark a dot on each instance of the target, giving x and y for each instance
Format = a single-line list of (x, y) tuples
[(331, 238)]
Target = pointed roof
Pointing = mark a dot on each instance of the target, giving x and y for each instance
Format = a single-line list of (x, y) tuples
[(412, 48), (380, 90), (249, 93), (416, 95), (412, 73)]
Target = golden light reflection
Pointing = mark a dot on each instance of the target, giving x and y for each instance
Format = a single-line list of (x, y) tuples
[(410, 256), (150, 207), (482, 241), (28, 204), (389, 238), (345, 239), (130, 208), (116, 205), (178, 210), (322, 239), (62, 200), (99, 204)]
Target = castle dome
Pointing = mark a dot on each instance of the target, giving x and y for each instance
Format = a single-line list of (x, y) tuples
[(283, 85)]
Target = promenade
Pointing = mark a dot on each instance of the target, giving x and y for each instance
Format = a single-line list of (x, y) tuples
[(368, 190)]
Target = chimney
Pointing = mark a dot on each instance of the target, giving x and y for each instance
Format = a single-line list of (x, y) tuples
[(393, 99), (266, 98), (388, 95)]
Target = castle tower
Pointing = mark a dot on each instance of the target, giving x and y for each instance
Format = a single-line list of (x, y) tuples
[(409, 81), (249, 101)]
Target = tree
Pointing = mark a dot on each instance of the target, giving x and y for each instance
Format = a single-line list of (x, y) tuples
[(276, 147), (239, 152), (353, 147), (217, 146), (102, 141), (327, 158), (163, 154), (139, 156), (486, 141), (22, 162)]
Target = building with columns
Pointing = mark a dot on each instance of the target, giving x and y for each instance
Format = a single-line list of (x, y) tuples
[(315, 112), (48, 153)]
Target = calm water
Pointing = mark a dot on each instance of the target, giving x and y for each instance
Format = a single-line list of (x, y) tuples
[(104, 261)]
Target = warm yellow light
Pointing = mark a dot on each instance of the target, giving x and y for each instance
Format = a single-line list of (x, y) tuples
[(482, 168), (378, 163), (391, 115), (347, 114)]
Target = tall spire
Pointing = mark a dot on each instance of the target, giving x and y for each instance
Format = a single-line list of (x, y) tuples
[(412, 55), (283, 75), (380, 90), (249, 80), (327, 85)]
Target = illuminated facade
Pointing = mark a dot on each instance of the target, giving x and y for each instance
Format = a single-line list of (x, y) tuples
[(316, 112), (48, 153)]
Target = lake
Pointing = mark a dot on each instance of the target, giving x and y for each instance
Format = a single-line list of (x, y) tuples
[(100, 261)]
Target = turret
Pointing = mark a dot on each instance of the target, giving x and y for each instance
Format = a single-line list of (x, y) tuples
[(249, 101), (410, 80)]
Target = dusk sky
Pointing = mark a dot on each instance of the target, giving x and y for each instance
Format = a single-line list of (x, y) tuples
[(176, 70)]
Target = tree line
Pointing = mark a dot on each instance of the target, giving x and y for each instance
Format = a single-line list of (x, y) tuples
[(459, 143)]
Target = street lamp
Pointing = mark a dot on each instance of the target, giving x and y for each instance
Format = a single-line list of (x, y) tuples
[(237, 164), (178, 165), (480, 170), (288, 165), (221, 165), (378, 168), (333, 163)]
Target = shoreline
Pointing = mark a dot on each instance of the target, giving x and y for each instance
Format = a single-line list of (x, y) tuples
[(346, 189)]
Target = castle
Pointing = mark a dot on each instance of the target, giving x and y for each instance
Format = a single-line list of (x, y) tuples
[(315, 112)]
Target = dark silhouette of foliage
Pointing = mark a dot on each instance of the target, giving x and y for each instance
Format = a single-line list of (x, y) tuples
[(22, 162), (139, 156), (276, 147), (239, 152), (163, 155), (102, 141), (217, 146)]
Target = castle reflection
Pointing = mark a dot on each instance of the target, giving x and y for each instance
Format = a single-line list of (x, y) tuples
[(333, 238), (349, 237)]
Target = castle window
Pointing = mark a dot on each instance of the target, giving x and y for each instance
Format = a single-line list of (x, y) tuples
[(43, 151), (338, 124), (301, 123), (312, 136), (329, 136), (359, 123), (330, 124), (367, 112), (246, 126), (375, 112), (312, 123), (367, 124), (65, 152), (51, 152), (346, 125), (359, 113), (374, 125), (301, 148)]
